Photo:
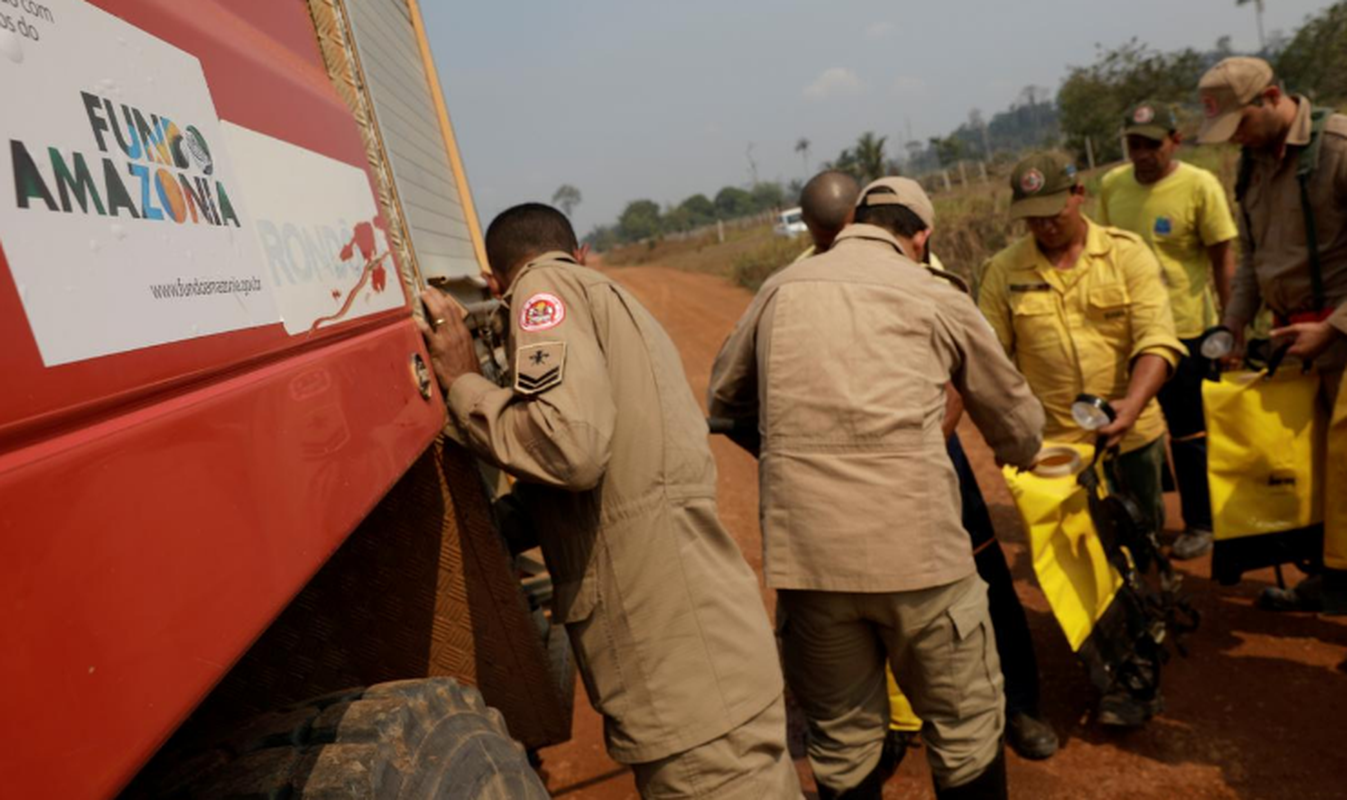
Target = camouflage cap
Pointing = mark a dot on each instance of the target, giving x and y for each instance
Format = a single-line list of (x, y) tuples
[(900, 192), (1154, 121), (1225, 90), (1041, 185)]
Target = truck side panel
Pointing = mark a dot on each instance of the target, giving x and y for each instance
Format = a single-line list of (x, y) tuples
[(159, 507)]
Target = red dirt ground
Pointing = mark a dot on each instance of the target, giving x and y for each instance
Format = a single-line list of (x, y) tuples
[(1257, 712)]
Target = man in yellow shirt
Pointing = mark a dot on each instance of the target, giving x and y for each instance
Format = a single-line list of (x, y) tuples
[(1182, 213), (1081, 308)]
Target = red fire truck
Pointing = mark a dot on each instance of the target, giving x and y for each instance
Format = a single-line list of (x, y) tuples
[(224, 503)]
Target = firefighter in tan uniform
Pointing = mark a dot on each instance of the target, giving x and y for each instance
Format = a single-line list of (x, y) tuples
[(842, 360), (828, 204), (1292, 190), (610, 451)]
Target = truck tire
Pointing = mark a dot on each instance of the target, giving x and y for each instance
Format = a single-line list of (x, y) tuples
[(561, 663), (429, 739)]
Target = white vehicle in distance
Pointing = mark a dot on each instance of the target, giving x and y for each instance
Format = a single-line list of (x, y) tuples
[(790, 222)]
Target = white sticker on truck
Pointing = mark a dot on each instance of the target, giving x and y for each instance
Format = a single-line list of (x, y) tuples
[(324, 251), (121, 217)]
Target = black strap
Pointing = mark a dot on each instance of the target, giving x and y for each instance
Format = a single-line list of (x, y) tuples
[(1242, 180), (1305, 167), (1308, 162), (1312, 242)]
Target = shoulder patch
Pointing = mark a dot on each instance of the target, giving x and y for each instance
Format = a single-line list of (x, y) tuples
[(541, 312), (539, 367)]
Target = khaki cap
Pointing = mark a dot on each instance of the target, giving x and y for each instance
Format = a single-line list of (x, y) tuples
[(1154, 121), (1040, 186), (901, 192), (1225, 90)]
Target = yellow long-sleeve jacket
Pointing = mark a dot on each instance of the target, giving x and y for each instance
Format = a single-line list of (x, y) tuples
[(1080, 330)]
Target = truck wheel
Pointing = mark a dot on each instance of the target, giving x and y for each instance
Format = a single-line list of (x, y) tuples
[(428, 739), (561, 662)]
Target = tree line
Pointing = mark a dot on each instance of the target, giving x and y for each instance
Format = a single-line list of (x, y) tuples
[(1093, 99), (646, 219), (1084, 117)]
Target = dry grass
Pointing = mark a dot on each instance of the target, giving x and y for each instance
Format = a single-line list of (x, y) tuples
[(971, 226), (700, 254)]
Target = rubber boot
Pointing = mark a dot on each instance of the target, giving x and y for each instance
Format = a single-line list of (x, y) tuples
[(990, 785), (1335, 592), (871, 788)]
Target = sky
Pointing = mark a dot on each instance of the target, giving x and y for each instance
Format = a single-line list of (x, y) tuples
[(634, 99)]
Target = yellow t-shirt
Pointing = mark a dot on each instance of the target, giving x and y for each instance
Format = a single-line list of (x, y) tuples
[(1180, 216)]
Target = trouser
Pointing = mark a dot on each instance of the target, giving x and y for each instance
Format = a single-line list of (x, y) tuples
[(750, 762), (940, 645), (1181, 400), (1014, 645), (1142, 471)]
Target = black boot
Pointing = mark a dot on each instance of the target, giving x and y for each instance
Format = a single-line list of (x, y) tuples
[(990, 785), (871, 788), (896, 745), (1030, 736)]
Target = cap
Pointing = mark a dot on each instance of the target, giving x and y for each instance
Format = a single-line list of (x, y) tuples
[(1041, 185), (1151, 120), (1225, 90), (901, 192)]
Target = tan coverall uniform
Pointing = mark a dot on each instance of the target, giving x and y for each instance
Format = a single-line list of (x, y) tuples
[(1275, 270), (666, 618), (843, 360)]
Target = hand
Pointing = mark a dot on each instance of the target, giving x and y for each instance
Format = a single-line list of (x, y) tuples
[(1128, 410), (1234, 360), (1308, 339), (448, 339)]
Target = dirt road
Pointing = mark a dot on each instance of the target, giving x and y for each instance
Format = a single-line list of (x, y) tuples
[(1258, 712)]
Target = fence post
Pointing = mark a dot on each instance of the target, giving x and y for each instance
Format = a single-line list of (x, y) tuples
[(944, 173), (1089, 152), (982, 167), (720, 231), (963, 173)]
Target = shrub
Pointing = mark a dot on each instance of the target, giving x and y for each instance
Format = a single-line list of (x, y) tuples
[(751, 269)]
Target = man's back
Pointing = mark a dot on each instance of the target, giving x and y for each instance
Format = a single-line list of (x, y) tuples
[(853, 351)]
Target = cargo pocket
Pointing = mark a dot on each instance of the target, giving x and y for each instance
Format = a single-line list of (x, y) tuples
[(1109, 309), (576, 604), (975, 668), (1034, 315)]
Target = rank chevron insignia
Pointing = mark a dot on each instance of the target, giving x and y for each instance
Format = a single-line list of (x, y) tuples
[(539, 367)]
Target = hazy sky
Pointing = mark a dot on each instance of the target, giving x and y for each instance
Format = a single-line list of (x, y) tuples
[(635, 99)]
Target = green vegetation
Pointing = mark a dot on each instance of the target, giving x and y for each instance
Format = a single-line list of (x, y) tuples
[(757, 265), (644, 219), (1093, 99), (1315, 61)]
